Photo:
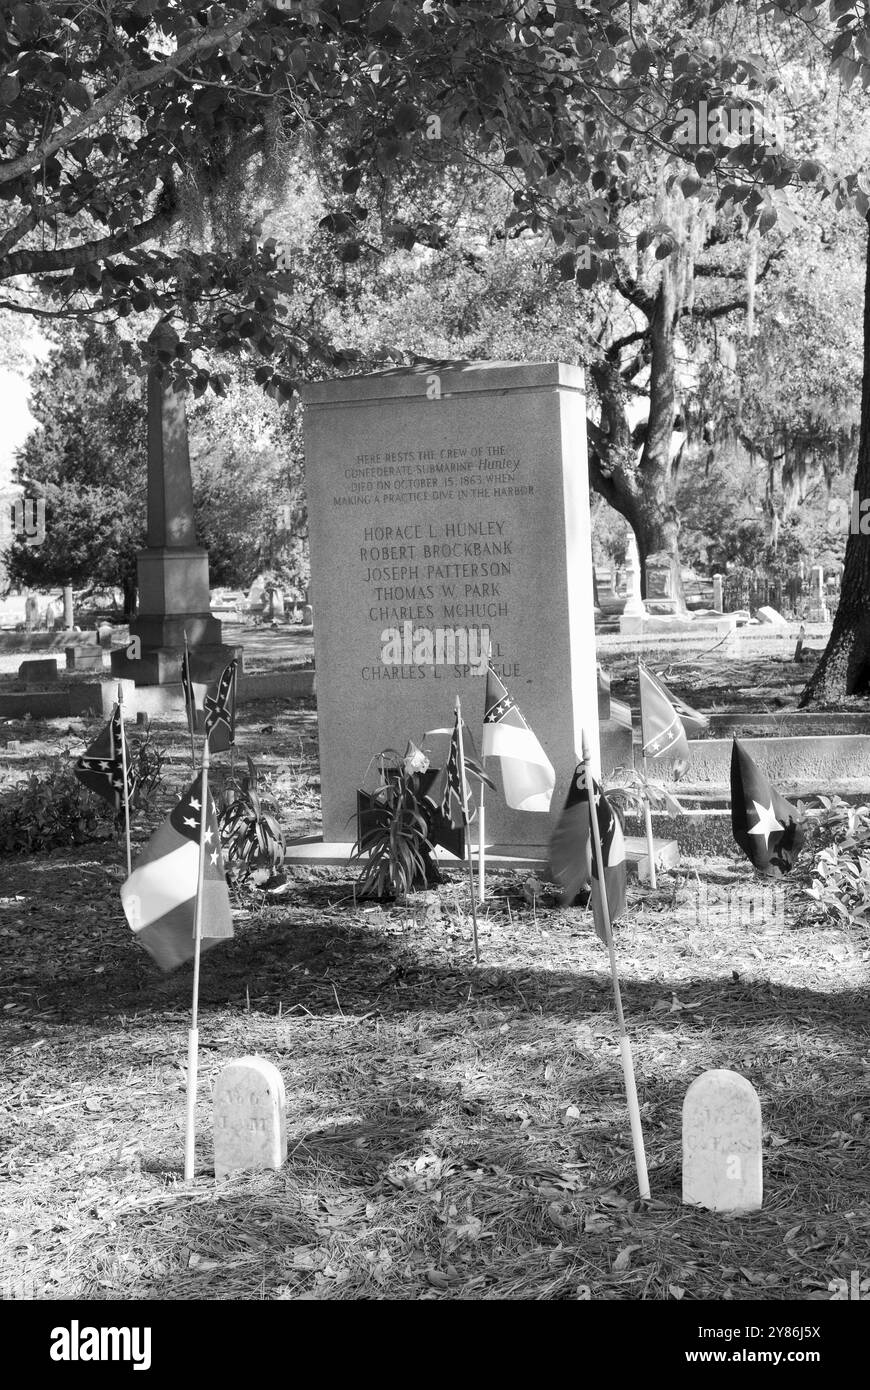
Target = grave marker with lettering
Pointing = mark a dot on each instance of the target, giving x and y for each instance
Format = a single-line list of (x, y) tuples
[(722, 1143), (449, 508), (250, 1129)]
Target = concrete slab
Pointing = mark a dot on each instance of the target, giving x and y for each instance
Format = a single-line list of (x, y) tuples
[(99, 697), (312, 851), (818, 761)]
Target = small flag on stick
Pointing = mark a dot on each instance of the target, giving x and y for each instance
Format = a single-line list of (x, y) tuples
[(766, 826), (662, 729), (456, 805), (159, 897), (601, 893), (190, 709), (527, 773), (101, 768), (693, 721), (220, 711), (572, 862)]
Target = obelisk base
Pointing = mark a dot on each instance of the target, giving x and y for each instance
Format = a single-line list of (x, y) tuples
[(173, 602)]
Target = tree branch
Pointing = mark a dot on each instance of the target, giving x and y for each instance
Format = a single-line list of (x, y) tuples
[(68, 257), (632, 291), (130, 84), (718, 311)]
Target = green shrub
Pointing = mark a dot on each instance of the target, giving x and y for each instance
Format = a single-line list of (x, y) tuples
[(396, 842), (841, 859), (251, 838), (147, 760), (51, 809)]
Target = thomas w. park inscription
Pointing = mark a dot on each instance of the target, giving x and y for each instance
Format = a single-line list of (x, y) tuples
[(446, 532)]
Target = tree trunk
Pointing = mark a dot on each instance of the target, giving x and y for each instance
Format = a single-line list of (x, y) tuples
[(660, 525), (844, 668), (644, 491), (129, 586)]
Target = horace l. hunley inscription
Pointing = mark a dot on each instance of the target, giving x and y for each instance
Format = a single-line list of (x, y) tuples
[(449, 520)]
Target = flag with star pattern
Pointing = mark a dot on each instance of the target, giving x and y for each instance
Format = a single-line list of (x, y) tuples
[(572, 857), (527, 774), (766, 826), (159, 897), (220, 711), (455, 802), (100, 769), (662, 731), (693, 721)]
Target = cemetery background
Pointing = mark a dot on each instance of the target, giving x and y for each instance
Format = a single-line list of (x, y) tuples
[(457, 1154), (452, 1132)]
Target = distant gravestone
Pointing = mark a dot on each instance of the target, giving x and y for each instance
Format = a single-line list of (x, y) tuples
[(770, 615), (89, 658), (38, 671), (718, 593), (250, 1130), (31, 612), (722, 1143), (633, 601)]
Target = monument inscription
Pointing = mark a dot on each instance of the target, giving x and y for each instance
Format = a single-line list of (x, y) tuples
[(447, 529)]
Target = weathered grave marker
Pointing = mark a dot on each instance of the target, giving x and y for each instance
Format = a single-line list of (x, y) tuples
[(722, 1143), (38, 671), (250, 1129)]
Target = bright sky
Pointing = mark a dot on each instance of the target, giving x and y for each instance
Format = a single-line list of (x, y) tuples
[(16, 421)]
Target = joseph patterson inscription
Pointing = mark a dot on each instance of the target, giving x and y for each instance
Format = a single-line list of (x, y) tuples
[(451, 576)]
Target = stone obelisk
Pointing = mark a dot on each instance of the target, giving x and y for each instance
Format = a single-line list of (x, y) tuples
[(172, 570)]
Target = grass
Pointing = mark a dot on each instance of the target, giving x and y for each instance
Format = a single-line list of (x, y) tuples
[(453, 1132)]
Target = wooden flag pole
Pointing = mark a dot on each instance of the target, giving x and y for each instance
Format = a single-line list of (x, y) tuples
[(193, 1035), (464, 787), (624, 1044), (126, 792), (481, 842), (647, 816), (190, 704), (650, 848), (481, 823)]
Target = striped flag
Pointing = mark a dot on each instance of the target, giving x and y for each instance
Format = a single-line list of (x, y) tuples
[(694, 722), (571, 854), (454, 802), (159, 897), (101, 768), (220, 711), (662, 730), (527, 774)]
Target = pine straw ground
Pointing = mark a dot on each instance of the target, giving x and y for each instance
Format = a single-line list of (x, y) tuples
[(454, 1132)]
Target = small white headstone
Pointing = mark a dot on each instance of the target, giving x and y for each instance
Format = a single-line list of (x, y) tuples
[(722, 1143), (718, 593), (250, 1129)]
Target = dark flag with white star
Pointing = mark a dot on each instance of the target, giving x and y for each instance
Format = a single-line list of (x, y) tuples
[(220, 711), (100, 769), (159, 897), (571, 857), (766, 826)]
